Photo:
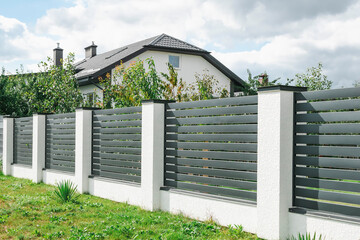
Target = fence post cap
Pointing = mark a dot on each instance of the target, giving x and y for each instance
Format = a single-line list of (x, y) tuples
[(282, 88), (157, 101), (87, 108)]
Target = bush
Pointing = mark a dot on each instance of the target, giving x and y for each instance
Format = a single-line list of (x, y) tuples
[(66, 191)]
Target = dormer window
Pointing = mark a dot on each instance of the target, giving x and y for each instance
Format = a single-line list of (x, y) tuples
[(174, 61)]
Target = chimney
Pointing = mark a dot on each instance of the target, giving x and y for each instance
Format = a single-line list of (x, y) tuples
[(264, 79), (58, 55), (90, 51)]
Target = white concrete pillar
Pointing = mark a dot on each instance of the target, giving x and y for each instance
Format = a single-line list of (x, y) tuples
[(152, 152), (275, 160), (38, 146), (83, 148), (8, 144)]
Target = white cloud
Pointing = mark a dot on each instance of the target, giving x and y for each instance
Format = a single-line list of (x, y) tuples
[(292, 35)]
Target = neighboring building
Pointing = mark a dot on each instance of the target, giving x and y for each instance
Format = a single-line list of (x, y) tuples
[(186, 58)]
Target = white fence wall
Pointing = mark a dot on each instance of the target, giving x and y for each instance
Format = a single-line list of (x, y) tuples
[(269, 217)]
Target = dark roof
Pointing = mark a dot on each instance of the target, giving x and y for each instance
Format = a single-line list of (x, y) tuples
[(90, 69)]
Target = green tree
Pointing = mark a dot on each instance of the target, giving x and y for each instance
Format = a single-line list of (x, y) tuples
[(54, 89), (11, 101), (173, 86), (205, 87), (313, 79), (131, 85)]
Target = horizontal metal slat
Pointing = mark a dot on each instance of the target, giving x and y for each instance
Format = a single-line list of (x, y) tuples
[(116, 117), (243, 128), (117, 110), (118, 163), (328, 128), (214, 155), (63, 163), (60, 120), (328, 173), (213, 190), (61, 168), (215, 102), (328, 195), (328, 105), (329, 207), (328, 184), (55, 147), (213, 111), (213, 163), (328, 117), (60, 136), (118, 136), (62, 152), (61, 115), (60, 142), (128, 157), (328, 94), (117, 130), (123, 170), (60, 126), (117, 143), (60, 131), (136, 123), (211, 180), (213, 120), (212, 172), (119, 176), (328, 151), (328, 162), (328, 139), (23, 119), (213, 146), (118, 150), (28, 163), (50, 156), (23, 159)]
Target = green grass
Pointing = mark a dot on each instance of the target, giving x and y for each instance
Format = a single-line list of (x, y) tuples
[(29, 211)]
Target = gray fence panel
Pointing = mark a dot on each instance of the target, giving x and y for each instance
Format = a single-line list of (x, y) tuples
[(327, 151), (117, 144), (23, 140), (60, 142), (211, 146)]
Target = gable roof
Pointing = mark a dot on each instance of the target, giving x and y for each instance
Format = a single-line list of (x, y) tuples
[(89, 69)]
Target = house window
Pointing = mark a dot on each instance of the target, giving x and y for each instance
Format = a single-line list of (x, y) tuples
[(174, 61), (90, 98)]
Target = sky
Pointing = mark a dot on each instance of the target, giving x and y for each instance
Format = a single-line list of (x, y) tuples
[(280, 37)]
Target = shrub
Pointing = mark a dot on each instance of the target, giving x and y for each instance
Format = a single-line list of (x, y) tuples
[(306, 236), (66, 191)]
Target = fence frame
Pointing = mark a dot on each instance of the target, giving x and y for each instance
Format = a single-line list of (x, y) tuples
[(271, 218)]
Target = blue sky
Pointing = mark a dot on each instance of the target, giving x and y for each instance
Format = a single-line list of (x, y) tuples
[(280, 37), (29, 11)]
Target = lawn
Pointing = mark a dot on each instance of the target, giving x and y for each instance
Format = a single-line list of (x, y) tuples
[(30, 211)]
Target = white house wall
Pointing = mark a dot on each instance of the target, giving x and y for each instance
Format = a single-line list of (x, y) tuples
[(91, 88), (189, 66)]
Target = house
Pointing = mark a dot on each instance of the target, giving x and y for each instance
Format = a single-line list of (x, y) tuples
[(186, 58)]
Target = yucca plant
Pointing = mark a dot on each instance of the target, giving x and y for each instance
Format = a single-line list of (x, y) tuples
[(66, 191), (306, 236)]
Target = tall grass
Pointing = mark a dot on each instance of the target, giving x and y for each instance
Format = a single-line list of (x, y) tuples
[(66, 191)]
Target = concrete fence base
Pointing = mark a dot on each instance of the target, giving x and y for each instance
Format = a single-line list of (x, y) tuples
[(269, 217)]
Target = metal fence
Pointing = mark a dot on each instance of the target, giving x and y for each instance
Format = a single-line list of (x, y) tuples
[(60, 142), (117, 143), (211, 146), (327, 151), (1, 135), (23, 140)]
